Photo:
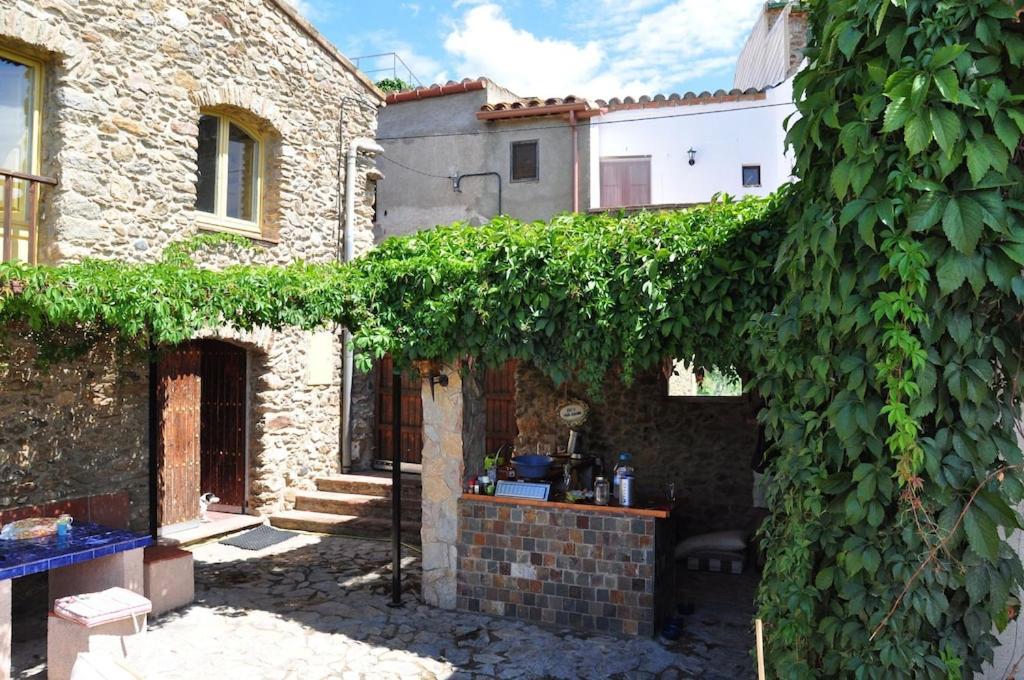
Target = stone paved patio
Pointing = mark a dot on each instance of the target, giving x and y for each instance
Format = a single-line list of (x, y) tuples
[(315, 607)]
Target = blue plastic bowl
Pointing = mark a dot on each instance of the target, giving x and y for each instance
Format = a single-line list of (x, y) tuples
[(532, 466)]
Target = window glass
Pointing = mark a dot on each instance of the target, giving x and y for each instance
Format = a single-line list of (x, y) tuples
[(625, 182), (228, 181), (17, 115), (751, 175), (241, 189), (524, 161), (206, 187)]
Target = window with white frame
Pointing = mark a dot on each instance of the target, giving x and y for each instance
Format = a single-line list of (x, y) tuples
[(230, 160)]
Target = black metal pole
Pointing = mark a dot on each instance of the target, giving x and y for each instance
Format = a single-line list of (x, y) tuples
[(396, 490)]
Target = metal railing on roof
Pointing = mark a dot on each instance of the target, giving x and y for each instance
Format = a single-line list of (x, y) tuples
[(378, 68)]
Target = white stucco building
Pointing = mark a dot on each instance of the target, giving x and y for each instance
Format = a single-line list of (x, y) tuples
[(681, 150)]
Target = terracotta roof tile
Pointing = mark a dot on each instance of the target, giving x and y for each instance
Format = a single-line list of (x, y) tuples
[(674, 99), (438, 90), (534, 103)]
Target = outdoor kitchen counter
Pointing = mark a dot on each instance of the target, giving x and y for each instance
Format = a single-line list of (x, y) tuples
[(595, 568), (657, 512)]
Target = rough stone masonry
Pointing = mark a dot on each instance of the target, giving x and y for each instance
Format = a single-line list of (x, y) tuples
[(124, 87)]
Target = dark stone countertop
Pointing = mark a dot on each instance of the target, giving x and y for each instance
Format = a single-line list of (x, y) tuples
[(84, 542)]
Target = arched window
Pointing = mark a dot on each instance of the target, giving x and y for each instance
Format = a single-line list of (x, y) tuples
[(230, 159)]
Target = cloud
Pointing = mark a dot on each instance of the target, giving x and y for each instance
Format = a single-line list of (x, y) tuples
[(487, 44), (625, 47), (307, 8)]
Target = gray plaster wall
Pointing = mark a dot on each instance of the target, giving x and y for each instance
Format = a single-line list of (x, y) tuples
[(441, 137)]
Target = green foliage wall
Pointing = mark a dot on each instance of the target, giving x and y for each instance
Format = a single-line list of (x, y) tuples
[(892, 364), (581, 296)]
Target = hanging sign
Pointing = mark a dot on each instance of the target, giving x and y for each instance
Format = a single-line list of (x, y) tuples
[(574, 413)]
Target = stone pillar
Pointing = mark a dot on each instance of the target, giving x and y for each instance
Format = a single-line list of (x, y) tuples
[(5, 630), (448, 428)]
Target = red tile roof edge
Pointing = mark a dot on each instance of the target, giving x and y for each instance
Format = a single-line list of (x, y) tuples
[(688, 99), (451, 87)]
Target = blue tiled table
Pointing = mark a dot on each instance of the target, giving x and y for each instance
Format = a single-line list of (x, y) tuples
[(84, 543)]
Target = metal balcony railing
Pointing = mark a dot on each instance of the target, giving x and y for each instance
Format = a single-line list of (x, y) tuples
[(20, 216)]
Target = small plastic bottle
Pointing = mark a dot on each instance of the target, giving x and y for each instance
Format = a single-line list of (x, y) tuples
[(625, 464)]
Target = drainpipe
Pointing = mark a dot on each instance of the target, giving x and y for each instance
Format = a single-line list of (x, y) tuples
[(368, 148), (575, 162)]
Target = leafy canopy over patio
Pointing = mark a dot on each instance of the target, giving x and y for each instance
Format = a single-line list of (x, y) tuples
[(577, 296)]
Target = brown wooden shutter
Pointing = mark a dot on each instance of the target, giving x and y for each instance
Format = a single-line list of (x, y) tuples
[(525, 161), (500, 397), (625, 182)]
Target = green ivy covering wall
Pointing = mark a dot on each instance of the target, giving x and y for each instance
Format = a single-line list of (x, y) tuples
[(892, 363)]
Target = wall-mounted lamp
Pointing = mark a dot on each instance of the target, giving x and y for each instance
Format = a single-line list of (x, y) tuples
[(693, 156), (437, 379)]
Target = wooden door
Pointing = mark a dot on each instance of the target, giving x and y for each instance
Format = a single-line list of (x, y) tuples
[(500, 399), (223, 414), (178, 440), (412, 415)]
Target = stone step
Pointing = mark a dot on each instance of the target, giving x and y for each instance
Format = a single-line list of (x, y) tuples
[(342, 525), (360, 505), (369, 485)]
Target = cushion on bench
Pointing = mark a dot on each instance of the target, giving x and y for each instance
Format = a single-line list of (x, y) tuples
[(96, 609)]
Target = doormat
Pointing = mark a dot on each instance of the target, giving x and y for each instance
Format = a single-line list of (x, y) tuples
[(259, 538)]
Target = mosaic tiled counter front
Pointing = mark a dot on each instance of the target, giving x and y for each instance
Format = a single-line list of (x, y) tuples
[(600, 569)]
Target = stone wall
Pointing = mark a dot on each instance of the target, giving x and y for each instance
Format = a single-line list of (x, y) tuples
[(125, 83), (74, 429), (586, 569), (704, 445)]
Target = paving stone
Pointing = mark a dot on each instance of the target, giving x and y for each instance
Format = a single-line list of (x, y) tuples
[(258, 616)]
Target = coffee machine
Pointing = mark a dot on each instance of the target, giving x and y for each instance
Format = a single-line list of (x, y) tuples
[(582, 469)]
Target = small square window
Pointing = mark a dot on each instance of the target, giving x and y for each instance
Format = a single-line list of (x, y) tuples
[(751, 175), (525, 161)]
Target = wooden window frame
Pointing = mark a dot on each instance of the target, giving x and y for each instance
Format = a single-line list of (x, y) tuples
[(743, 172), (219, 220), (512, 160), (19, 218)]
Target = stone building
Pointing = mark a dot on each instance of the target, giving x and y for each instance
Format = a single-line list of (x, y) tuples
[(141, 124)]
